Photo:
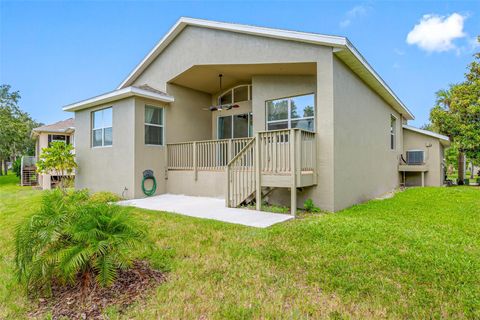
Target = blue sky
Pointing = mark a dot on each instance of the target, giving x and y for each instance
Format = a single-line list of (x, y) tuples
[(57, 52)]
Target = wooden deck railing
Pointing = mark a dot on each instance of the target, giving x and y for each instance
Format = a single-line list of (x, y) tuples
[(180, 156), (208, 155), (283, 157), (275, 151), (308, 151), (241, 175)]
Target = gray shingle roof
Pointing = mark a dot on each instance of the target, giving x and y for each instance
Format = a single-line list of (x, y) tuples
[(60, 126)]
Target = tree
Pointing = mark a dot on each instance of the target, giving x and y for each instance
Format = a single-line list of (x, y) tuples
[(457, 114), (58, 158), (16, 127)]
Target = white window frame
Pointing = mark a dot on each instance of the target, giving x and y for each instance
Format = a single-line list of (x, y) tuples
[(393, 133), (100, 128), (289, 115), (155, 125), (57, 140), (232, 91), (249, 115)]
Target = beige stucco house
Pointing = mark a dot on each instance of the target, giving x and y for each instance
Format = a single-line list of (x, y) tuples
[(241, 112), (59, 131)]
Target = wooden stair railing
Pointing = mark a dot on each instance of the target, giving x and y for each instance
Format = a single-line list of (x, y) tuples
[(241, 176)]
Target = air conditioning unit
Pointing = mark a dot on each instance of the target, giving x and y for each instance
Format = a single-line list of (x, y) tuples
[(415, 157)]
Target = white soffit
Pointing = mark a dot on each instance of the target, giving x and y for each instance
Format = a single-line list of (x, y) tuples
[(117, 95)]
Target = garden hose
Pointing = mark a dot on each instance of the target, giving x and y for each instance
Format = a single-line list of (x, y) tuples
[(149, 192)]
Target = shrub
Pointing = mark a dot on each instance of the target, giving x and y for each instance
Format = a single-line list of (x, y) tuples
[(309, 206), (105, 197), (58, 157), (17, 167), (72, 238)]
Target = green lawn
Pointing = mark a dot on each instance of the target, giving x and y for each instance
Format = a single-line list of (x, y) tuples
[(414, 256)]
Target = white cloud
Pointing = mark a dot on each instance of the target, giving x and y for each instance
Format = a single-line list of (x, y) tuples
[(399, 52), (355, 12), (436, 33)]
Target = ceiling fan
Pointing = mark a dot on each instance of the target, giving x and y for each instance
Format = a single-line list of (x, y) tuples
[(220, 107)]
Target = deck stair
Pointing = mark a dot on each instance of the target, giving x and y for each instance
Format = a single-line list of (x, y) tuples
[(28, 173), (273, 159)]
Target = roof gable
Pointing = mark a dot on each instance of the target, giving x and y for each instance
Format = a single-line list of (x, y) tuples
[(59, 126), (344, 50), (439, 136)]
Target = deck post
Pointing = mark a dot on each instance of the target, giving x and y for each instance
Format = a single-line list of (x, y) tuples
[(423, 178), (227, 197), (195, 160), (258, 184), (229, 151), (293, 159)]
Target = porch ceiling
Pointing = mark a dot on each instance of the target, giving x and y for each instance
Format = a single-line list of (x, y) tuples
[(205, 77)]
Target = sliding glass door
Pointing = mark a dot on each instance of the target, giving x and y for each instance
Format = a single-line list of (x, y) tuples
[(235, 126)]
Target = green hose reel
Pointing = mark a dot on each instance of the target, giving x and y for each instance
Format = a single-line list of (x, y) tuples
[(148, 175)]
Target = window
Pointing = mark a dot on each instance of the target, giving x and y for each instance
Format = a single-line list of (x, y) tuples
[(58, 137), (236, 94), (393, 132), (154, 126), (102, 128), (294, 112), (235, 126)]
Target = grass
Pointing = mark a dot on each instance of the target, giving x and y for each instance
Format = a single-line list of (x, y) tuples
[(414, 256)]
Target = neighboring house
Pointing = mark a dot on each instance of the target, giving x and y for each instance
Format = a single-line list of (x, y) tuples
[(299, 111), (44, 136), (424, 162)]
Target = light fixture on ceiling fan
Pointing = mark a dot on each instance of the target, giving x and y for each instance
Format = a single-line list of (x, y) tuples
[(221, 107)]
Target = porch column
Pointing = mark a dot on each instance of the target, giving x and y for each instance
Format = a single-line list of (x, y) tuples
[(423, 178)]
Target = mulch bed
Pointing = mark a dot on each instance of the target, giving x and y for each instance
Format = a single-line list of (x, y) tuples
[(72, 303)]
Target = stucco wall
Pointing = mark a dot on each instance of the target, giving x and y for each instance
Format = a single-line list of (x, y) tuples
[(365, 166), (433, 158), (108, 168), (208, 183), (193, 46), (197, 46), (185, 120)]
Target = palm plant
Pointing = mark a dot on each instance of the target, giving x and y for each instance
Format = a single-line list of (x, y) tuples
[(71, 238), (102, 236)]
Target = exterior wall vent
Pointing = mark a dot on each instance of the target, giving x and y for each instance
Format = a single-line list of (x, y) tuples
[(415, 157)]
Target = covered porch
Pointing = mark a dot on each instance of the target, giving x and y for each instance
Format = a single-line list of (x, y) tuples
[(262, 132)]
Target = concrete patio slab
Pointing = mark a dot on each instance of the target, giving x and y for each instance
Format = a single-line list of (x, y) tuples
[(207, 208)]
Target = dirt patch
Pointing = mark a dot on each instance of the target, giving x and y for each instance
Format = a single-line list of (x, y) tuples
[(71, 303)]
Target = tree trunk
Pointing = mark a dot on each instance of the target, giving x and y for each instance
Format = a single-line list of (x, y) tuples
[(1, 170), (461, 168), (5, 166)]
